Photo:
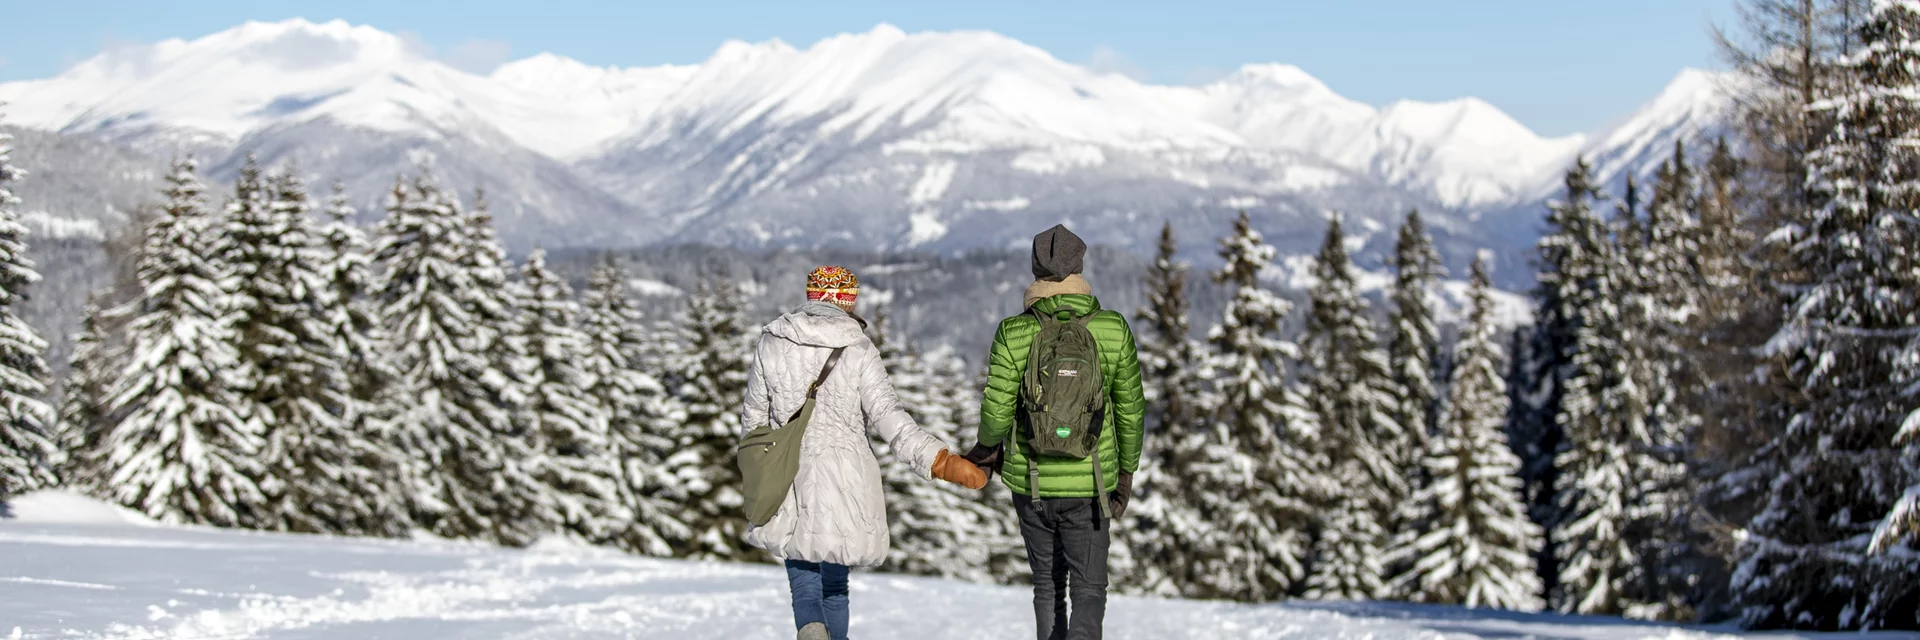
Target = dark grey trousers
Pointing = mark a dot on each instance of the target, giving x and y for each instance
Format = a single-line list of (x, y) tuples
[(1067, 544)]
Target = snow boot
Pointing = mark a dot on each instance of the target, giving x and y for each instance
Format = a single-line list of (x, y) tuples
[(815, 631)]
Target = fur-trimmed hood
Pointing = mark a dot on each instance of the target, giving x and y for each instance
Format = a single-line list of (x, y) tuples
[(1043, 289)]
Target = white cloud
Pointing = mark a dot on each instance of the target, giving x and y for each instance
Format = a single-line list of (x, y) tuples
[(415, 44), (1105, 59), (474, 55), (1198, 76), (478, 55)]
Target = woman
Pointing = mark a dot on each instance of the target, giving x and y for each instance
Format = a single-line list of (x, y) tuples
[(834, 517)]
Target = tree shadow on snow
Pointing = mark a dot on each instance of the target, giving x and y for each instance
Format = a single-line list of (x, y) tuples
[(6, 511), (1461, 620)]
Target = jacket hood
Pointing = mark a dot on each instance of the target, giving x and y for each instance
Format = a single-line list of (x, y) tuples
[(1080, 304), (818, 324)]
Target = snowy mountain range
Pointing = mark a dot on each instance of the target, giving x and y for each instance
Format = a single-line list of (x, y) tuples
[(940, 141)]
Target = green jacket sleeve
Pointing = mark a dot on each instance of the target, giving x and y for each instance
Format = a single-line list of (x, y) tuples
[(1128, 401), (999, 399)]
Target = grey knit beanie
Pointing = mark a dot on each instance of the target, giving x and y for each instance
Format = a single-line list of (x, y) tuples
[(1057, 253)]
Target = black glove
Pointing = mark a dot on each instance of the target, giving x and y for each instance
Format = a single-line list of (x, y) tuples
[(988, 458), (1121, 495)]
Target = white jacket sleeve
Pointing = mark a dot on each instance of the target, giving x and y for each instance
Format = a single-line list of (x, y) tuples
[(759, 401), (890, 421)]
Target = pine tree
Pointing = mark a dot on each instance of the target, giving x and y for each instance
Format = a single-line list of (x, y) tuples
[(466, 456), (706, 370), (1170, 363), (27, 455), (1477, 544), (371, 395), (85, 394), (188, 443), (1607, 503), (313, 468), (1570, 251), (1662, 304), (1415, 345), (569, 425), (1255, 477), (639, 427), (1849, 267), (1351, 390)]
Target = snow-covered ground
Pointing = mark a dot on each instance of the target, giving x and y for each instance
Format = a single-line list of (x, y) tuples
[(71, 568)]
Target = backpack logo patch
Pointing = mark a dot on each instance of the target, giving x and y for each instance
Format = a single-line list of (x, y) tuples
[(1068, 373), (1063, 431)]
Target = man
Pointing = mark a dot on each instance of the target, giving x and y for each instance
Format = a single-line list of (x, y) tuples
[(1064, 520)]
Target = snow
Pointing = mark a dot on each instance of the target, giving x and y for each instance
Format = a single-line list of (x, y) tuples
[(1465, 152), (47, 225), (1059, 159), (924, 227), (932, 184), (654, 288), (59, 506), (1510, 309), (1015, 203), (97, 581)]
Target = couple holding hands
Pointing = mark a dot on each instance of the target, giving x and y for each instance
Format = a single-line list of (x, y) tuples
[(1060, 423)]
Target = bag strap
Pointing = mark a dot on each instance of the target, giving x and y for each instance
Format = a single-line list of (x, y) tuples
[(832, 359), (812, 389)]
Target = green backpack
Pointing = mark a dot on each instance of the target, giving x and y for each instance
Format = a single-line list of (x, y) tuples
[(1064, 395)]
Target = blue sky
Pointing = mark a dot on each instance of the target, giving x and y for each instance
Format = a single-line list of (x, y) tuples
[(1560, 66)]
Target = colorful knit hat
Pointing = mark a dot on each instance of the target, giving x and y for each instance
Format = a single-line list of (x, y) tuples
[(833, 284)]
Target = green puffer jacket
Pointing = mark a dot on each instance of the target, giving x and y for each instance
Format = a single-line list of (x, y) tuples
[(1119, 365)]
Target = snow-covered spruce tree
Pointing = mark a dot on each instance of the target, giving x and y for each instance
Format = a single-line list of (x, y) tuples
[(568, 424), (27, 454), (91, 369), (466, 459), (1255, 477), (187, 445), (495, 307), (1413, 351), (706, 370), (639, 428), (1350, 388), (1833, 471), (1576, 240), (1477, 544), (1605, 462), (1415, 341), (372, 392), (1170, 362), (1661, 308), (312, 464)]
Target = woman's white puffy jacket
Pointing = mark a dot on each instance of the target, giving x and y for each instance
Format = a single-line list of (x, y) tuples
[(835, 511)]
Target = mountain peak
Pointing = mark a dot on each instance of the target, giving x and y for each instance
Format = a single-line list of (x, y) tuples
[(1461, 116), (1277, 74)]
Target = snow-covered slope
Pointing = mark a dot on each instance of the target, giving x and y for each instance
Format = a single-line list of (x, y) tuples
[(1464, 153), (941, 140), (1693, 108), (97, 581)]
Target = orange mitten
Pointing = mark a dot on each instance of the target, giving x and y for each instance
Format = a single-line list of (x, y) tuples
[(957, 470)]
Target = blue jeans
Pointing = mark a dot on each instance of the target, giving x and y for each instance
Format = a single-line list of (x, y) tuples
[(819, 595)]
